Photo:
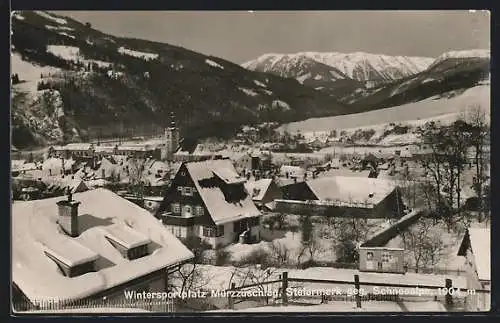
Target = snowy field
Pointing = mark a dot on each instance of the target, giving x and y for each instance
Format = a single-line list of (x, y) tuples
[(426, 109), (134, 53)]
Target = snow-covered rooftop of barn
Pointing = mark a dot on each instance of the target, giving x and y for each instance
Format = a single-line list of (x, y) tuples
[(220, 210), (357, 190), (34, 226), (480, 244), (259, 188)]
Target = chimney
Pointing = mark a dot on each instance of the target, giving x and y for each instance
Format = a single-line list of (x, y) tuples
[(68, 216)]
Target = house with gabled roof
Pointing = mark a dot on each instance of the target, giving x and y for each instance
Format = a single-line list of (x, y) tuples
[(476, 250), (90, 246), (343, 196), (264, 192), (208, 200)]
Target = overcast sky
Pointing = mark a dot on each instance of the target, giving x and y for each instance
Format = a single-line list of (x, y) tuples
[(241, 36)]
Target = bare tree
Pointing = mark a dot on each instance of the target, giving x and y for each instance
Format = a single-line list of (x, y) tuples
[(423, 244), (280, 253), (254, 274), (136, 169), (479, 128)]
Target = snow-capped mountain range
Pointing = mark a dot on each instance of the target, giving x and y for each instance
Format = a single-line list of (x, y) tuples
[(359, 66)]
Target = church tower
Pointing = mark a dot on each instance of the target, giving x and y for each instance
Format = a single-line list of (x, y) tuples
[(172, 138)]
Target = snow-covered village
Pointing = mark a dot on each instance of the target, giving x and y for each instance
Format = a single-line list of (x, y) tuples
[(154, 176)]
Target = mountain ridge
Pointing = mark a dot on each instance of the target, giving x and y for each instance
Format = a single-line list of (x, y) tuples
[(135, 83)]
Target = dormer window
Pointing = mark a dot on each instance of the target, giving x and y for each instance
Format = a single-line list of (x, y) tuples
[(71, 258), (130, 243)]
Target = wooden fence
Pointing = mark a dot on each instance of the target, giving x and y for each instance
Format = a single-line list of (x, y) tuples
[(453, 297), (94, 305)]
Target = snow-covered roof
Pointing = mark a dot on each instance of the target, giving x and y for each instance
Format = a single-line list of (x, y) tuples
[(18, 166), (17, 163), (135, 148), (65, 183), (228, 176), (292, 169), (154, 198), (220, 209), (34, 226), (56, 163), (344, 172), (68, 251), (74, 146), (258, 189), (356, 190), (126, 236), (481, 249)]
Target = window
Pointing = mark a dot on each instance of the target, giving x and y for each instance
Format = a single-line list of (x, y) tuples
[(386, 257), (187, 210), (369, 256), (199, 210), (138, 252), (180, 189), (187, 191), (178, 232), (208, 232), (220, 231), (176, 208)]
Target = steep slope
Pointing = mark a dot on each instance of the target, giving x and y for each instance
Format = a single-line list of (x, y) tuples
[(450, 74), (107, 86), (369, 69)]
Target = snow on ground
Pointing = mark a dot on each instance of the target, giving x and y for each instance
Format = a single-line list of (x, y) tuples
[(258, 83), (318, 77), (67, 35), (336, 75), (268, 92), (304, 77), (61, 21), (17, 15), (401, 87), (214, 64), (426, 109), (340, 306), (72, 53), (134, 53), (473, 53), (427, 80), (28, 71), (58, 28), (248, 91), (281, 104), (69, 53)]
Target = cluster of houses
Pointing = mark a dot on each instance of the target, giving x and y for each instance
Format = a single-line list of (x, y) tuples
[(74, 223)]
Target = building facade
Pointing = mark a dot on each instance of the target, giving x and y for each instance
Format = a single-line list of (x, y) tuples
[(208, 200)]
